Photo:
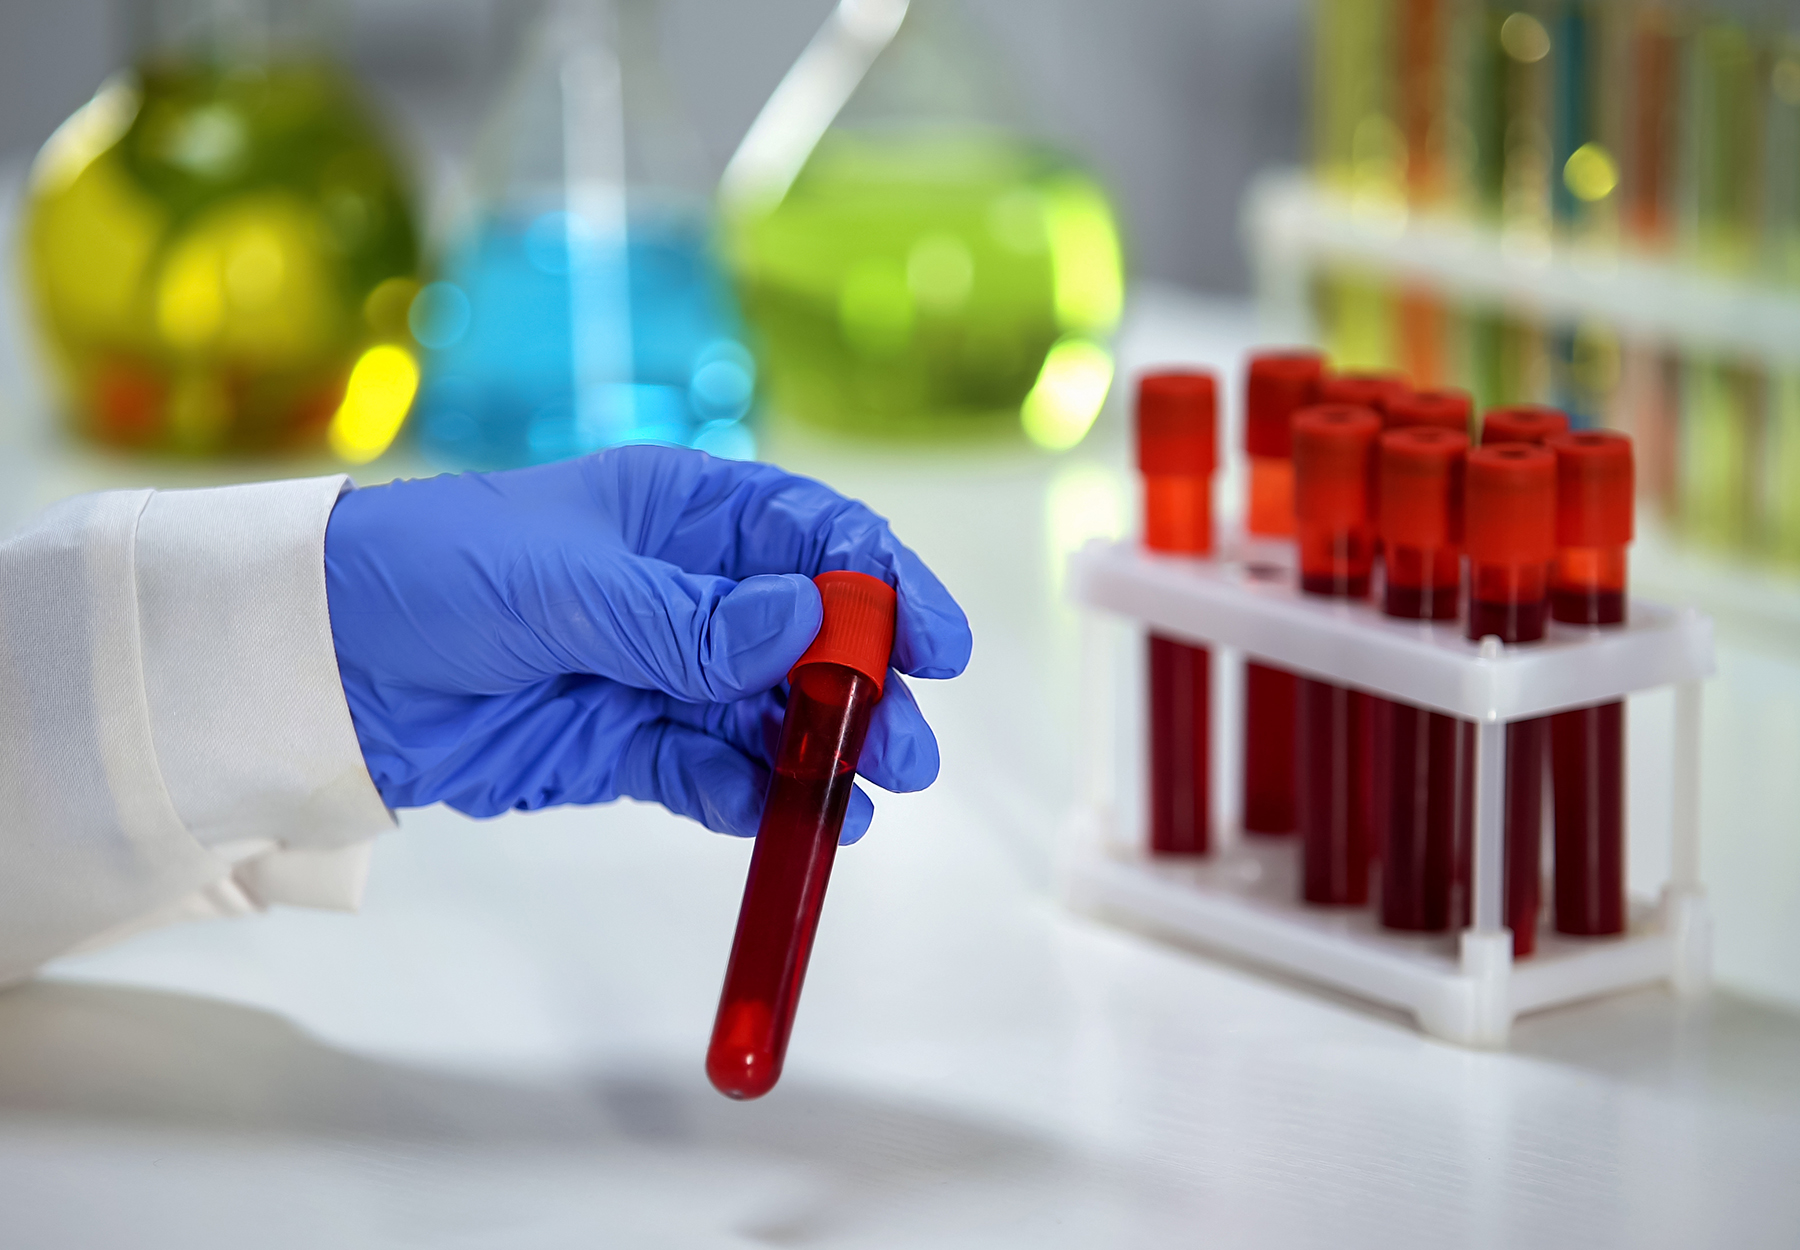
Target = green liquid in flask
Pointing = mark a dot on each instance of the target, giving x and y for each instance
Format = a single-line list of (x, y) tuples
[(930, 286), (221, 259)]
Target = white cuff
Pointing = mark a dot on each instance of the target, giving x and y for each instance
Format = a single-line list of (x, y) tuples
[(247, 711)]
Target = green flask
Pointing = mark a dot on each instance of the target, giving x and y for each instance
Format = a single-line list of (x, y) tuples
[(913, 263)]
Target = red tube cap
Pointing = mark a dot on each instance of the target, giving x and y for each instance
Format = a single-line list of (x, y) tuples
[(1374, 391), (1421, 487), (1442, 409), (858, 629), (1279, 384), (1510, 505), (1333, 445), (1176, 423), (1522, 423), (1594, 484)]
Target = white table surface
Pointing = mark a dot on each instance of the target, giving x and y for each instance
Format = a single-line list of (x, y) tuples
[(505, 1047)]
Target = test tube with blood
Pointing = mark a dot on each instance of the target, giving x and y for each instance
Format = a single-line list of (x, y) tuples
[(1420, 508), (1333, 456), (832, 691), (1587, 745), (1522, 423), (1372, 390), (1510, 535), (1176, 455), (1444, 409), (1279, 384)]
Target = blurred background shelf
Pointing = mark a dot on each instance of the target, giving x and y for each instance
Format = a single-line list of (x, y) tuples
[(1749, 600), (1294, 228)]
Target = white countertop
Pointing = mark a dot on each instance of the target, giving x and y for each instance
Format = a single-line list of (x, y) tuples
[(505, 1048)]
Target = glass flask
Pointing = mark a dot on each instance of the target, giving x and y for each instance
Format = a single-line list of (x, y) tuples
[(220, 251), (914, 263), (581, 304)]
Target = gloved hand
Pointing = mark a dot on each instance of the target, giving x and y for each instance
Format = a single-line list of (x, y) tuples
[(617, 625)]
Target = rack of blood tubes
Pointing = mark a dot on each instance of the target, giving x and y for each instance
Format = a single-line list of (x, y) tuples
[(1441, 654)]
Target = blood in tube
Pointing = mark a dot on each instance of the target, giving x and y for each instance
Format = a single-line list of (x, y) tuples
[(1522, 423), (1510, 535), (1372, 390), (1333, 453), (833, 690), (1420, 488), (1443, 409), (1594, 486), (1377, 391), (1177, 453), (1279, 384)]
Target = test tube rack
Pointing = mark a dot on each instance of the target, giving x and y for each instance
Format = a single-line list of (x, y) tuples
[(1243, 898)]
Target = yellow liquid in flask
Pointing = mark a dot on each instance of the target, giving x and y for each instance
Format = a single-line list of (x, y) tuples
[(221, 259), (933, 285)]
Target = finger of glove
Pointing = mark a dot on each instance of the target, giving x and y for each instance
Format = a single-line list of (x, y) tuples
[(752, 724), (695, 775), (739, 519), (899, 754), (649, 624), (857, 817), (705, 779)]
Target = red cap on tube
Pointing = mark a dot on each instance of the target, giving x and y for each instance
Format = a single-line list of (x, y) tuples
[(1175, 424), (1442, 409), (1522, 423), (1593, 489), (1510, 505), (858, 628), (1363, 390), (1420, 485), (1332, 446), (1279, 384)]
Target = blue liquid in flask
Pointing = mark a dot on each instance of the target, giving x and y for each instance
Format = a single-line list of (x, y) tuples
[(547, 339)]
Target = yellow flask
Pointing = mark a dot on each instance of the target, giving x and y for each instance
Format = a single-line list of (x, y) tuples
[(220, 257)]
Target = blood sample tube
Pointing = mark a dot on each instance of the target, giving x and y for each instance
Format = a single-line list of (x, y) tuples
[(1371, 390), (1420, 485), (1446, 409), (1510, 535), (1333, 453), (1177, 455), (1594, 482), (1376, 391), (831, 692), (1522, 423), (1279, 384)]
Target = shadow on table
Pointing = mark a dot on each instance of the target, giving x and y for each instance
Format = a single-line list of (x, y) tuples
[(157, 1062), (1724, 1046)]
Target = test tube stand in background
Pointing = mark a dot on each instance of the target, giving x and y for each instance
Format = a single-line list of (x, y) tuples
[(1464, 987)]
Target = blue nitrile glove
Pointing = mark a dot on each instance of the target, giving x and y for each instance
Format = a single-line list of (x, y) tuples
[(618, 625)]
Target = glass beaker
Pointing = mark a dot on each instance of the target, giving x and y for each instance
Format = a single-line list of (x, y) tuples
[(220, 250), (913, 262), (581, 304)]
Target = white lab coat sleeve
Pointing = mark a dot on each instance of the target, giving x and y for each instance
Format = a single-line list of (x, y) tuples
[(174, 741)]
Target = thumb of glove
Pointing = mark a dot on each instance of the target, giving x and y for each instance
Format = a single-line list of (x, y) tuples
[(649, 624)]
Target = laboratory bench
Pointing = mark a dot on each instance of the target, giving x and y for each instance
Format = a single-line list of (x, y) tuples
[(505, 1047)]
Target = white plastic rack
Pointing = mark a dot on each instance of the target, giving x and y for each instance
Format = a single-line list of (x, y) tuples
[(1244, 898)]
